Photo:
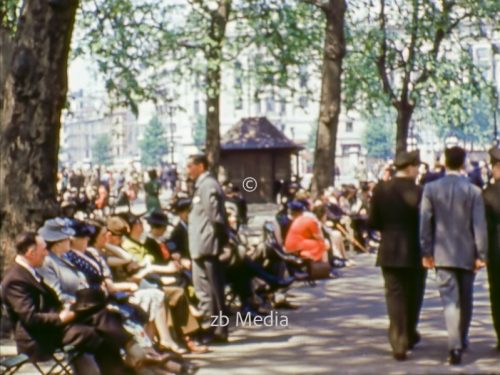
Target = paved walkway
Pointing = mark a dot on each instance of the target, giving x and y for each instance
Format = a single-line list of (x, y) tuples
[(340, 328)]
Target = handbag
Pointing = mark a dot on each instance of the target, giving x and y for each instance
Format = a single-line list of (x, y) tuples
[(318, 270)]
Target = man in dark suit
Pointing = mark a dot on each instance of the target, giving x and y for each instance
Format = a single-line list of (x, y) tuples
[(41, 323), (453, 240), (394, 212), (207, 236), (492, 205)]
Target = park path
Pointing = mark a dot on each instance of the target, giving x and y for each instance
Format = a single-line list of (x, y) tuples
[(340, 328)]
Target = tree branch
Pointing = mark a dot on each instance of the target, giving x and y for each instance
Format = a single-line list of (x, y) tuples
[(382, 58), (323, 5), (412, 52)]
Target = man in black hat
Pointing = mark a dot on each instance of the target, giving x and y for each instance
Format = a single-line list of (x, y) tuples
[(394, 212), (492, 205), (453, 240)]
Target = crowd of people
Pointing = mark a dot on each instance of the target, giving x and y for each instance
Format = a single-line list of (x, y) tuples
[(134, 293)]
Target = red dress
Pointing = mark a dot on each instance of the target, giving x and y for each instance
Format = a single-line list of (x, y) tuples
[(300, 238)]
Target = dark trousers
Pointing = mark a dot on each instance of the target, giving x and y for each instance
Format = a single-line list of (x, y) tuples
[(456, 289), (108, 327), (208, 281), (494, 281), (404, 294)]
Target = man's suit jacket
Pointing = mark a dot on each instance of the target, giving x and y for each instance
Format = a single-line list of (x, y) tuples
[(62, 276), (33, 308), (207, 212), (492, 204), (180, 238), (453, 225), (394, 212)]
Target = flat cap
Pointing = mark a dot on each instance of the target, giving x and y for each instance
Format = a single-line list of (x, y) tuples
[(405, 158), (117, 226)]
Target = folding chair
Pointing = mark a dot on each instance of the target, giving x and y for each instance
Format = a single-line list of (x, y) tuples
[(62, 362), (10, 365)]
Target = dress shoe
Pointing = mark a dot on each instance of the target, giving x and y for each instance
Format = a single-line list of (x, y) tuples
[(151, 358), (195, 347), (455, 357), (399, 356), (172, 347), (174, 366), (414, 340)]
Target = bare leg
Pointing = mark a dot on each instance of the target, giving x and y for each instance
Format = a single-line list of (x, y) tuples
[(164, 335)]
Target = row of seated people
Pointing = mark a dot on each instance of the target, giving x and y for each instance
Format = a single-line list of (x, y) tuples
[(106, 288)]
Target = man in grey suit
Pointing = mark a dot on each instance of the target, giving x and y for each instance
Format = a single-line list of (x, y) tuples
[(453, 240), (207, 236)]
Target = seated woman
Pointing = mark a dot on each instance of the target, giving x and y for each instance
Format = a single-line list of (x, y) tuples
[(305, 236), (183, 322), (66, 280), (59, 273), (98, 275)]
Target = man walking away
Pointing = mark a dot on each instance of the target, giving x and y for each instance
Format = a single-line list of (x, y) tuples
[(394, 211), (453, 240), (492, 204)]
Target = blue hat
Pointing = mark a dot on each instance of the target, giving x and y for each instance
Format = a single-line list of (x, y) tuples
[(57, 229), (296, 206), (82, 229)]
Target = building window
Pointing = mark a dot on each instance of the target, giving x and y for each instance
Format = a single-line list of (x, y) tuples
[(238, 103), (257, 104), (303, 102), (270, 104), (483, 56), (303, 76), (349, 127), (282, 106)]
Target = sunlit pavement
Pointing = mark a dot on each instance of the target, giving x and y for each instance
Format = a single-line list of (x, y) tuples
[(340, 328)]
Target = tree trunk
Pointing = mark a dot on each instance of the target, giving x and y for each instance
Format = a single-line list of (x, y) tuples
[(5, 56), (405, 112), (212, 142), (216, 34), (330, 103), (35, 93)]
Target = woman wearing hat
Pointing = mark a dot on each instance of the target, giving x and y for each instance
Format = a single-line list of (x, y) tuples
[(68, 282), (57, 272), (90, 262)]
